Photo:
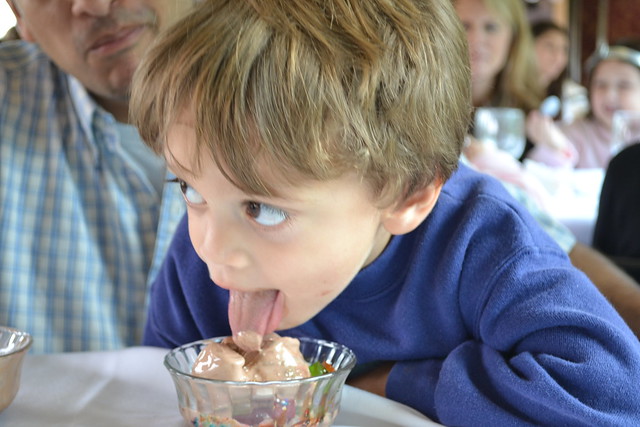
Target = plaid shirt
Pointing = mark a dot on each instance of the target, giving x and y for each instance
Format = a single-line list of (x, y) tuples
[(78, 218)]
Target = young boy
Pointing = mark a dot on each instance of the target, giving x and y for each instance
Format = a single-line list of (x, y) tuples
[(317, 149)]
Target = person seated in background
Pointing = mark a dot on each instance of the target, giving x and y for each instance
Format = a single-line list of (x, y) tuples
[(503, 67), (614, 84), (551, 46), (503, 74), (84, 218), (317, 151), (617, 230), (492, 29)]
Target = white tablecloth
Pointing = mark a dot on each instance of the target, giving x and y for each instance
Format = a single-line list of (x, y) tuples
[(574, 197), (132, 388)]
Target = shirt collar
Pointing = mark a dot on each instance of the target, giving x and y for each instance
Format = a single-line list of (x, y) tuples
[(97, 123)]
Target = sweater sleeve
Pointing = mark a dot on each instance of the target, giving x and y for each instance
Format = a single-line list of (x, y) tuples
[(545, 348)]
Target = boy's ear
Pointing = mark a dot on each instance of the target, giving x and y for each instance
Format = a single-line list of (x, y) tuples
[(407, 215), (22, 28)]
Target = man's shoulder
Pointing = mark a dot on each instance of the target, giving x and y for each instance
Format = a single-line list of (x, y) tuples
[(17, 55)]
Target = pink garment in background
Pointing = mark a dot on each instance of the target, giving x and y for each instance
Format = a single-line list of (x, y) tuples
[(591, 140)]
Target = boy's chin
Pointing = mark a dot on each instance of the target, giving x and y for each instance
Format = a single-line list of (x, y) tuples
[(289, 323)]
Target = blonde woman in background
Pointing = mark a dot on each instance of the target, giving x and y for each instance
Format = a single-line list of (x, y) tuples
[(503, 65), (503, 74)]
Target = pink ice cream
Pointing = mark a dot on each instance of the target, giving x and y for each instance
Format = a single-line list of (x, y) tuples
[(277, 359)]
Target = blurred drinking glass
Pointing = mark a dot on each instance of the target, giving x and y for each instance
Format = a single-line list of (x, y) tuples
[(502, 128), (625, 130)]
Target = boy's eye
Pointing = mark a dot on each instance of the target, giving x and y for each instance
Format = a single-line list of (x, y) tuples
[(190, 195), (265, 214)]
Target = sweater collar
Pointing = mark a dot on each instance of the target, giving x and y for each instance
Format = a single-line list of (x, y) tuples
[(385, 272)]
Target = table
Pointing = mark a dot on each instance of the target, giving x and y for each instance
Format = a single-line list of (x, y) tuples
[(131, 387), (574, 196), (576, 203)]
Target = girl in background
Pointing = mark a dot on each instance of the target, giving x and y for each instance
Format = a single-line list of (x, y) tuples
[(551, 45), (614, 84)]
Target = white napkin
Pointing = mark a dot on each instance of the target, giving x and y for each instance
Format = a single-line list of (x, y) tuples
[(132, 388)]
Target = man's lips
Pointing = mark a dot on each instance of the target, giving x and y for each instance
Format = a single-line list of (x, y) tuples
[(116, 41)]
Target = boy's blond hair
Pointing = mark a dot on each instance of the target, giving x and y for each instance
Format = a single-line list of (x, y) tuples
[(316, 88)]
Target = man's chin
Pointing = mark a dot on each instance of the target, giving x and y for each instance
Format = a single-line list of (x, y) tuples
[(119, 82)]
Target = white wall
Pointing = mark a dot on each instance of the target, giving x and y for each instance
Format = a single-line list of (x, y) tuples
[(7, 20)]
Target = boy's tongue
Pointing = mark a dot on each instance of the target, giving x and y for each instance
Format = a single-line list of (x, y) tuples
[(252, 315)]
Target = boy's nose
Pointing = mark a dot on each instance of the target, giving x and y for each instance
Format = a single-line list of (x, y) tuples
[(91, 7), (219, 244)]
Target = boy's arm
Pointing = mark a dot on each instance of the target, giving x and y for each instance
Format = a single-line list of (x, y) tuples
[(374, 381), (544, 348), (617, 286), (620, 289)]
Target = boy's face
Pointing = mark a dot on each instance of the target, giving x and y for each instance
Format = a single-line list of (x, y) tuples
[(614, 86), (302, 248)]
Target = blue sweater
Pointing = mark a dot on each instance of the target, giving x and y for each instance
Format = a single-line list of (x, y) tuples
[(484, 315)]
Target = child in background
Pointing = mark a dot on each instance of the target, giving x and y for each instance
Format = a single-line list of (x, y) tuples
[(614, 84), (551, 45), (317, 150)]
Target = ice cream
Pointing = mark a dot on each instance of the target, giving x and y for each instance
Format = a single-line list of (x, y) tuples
[(277, 359), (300, 396)]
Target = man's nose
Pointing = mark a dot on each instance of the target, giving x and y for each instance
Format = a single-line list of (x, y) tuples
[(91, 7)]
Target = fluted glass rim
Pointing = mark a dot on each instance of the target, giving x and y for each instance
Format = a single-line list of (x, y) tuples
[(345, 368)]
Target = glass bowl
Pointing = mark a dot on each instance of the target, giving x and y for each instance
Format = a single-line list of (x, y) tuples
[(311, 401), (13, 346)]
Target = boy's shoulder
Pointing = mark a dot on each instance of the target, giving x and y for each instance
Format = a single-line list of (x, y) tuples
[(466, 184), (474, 203)]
